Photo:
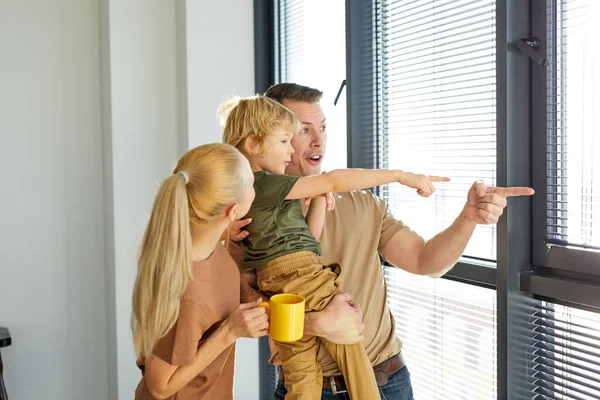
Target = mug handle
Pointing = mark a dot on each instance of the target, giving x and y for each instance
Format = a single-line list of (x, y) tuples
[(264, 304)]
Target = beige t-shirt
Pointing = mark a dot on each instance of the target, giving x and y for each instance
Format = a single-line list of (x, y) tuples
[(212, 294), (355, 232)]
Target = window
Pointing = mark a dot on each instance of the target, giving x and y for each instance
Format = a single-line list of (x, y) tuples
[(446, 87), (570, 212), (448, 331), (439, 108), (438, 111), (314, 54), (311, 54), (567, 209), (573, 111), (567, 352)]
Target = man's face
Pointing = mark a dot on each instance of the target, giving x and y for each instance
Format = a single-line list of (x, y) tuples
[(309, 144)]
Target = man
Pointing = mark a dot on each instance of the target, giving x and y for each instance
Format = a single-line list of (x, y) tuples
[(359, 230)]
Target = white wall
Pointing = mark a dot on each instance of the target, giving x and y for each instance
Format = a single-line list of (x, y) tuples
[(141, 128), (220, 63), (94, 114), (52, 286)]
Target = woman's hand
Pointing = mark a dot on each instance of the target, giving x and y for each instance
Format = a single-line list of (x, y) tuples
[(247, 320), (423, 183), (235, 231)]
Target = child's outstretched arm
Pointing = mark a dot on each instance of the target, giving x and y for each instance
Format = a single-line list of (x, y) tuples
[(345, 180)]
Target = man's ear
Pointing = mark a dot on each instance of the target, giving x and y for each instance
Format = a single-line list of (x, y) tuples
[(231, 211)]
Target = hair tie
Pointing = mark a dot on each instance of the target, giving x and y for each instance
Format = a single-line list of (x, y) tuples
[(185, 175)]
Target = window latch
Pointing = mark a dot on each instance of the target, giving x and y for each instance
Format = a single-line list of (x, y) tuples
[(529, 47), (339, 93)]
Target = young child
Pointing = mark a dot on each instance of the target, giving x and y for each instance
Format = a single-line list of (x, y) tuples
[(282, 245), (186, 304)]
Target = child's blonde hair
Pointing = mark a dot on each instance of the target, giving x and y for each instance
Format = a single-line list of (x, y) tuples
[(216, 181), (256, 117)]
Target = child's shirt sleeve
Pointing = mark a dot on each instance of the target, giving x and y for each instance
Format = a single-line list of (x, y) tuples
[(272, 189)]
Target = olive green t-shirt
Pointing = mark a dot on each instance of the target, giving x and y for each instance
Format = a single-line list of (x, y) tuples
[(278, 226)]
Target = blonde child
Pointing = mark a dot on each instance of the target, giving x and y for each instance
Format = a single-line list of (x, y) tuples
[(283, 244), (186, 304)]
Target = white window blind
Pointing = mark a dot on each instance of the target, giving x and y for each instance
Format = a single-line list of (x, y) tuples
[(448, 330), (439, 107), (573, 115), (566, 352), (438, 112), (311, 51)]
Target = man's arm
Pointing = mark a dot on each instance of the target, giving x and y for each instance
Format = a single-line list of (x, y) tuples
[(407, 250), (315, 218), (339, 322)]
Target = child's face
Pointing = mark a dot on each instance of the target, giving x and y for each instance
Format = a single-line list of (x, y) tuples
[(279, 152)]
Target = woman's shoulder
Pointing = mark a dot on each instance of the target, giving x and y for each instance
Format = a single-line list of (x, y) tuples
[(214, 279)]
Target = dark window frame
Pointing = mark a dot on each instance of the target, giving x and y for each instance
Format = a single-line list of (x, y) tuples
[(567, 274), (549, 254)]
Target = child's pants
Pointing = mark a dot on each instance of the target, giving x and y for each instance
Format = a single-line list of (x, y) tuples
[(302, 273)]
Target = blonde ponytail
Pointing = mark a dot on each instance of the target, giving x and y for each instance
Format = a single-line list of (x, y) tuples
[(216, 181)]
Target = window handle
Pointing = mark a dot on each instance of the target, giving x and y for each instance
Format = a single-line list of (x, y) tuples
[(529, 47), (339, 93)]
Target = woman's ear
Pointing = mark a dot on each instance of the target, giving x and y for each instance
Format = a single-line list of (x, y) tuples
[(231, 212)]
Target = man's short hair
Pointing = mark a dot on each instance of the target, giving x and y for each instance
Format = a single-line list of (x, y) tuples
[(293, 91)]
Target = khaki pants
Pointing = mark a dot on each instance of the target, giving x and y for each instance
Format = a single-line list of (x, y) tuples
[(302, 273)]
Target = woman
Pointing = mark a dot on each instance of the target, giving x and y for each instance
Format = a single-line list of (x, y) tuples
[(186, 304)]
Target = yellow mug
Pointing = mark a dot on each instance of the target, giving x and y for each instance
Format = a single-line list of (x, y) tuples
[(286, 317)]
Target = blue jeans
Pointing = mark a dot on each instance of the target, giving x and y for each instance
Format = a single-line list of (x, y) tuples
[(397, 388)]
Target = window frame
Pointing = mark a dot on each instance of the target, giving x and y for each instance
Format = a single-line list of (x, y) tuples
[(568, 274), (365, 141), (513, 157), (526, 269), (575, 259), (366, 138)]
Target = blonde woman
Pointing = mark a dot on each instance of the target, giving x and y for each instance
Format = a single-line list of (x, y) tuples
[(186, 300), (283, 244)]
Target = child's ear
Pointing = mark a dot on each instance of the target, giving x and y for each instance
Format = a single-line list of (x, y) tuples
[(252, 145)]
